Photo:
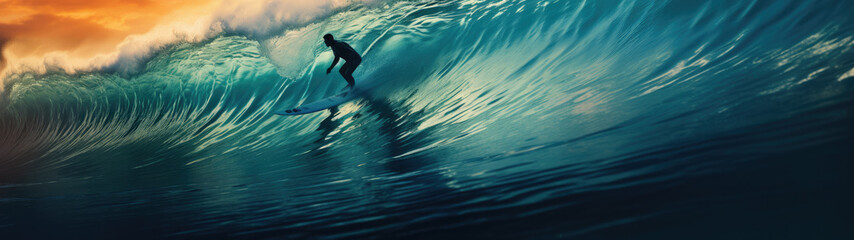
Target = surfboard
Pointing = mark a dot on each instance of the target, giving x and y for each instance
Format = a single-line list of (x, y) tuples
[(321, 104)]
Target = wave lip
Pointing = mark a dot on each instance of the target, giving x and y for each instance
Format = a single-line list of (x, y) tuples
[(258, 19)]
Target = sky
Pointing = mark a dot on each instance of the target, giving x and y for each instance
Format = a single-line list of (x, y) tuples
[(85, 28)]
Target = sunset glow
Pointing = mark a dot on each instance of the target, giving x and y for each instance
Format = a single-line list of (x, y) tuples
[(84, 28)]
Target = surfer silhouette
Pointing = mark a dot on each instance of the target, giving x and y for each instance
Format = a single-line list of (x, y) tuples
[(343, 50)]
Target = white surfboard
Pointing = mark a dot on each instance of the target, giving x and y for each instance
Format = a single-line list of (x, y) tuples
[(362, 87), (322, 104)]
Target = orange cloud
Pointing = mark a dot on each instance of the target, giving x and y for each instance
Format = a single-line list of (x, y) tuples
[(84, 28)]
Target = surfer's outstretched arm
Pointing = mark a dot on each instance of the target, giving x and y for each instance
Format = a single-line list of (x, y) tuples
[(334, 62)]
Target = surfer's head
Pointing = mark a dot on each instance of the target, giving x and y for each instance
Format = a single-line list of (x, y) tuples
[(328, 39)]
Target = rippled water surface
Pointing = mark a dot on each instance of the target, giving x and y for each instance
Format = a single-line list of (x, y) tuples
[(495, 119)]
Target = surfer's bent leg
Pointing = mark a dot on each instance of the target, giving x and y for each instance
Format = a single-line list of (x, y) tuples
[(347, 71)]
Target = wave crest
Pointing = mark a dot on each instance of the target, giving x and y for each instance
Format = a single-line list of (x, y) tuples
[(255, 19)]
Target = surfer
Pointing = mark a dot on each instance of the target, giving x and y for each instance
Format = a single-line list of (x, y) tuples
[(343, 50)]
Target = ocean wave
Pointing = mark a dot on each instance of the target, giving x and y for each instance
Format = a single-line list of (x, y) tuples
[(255, 19), (550, 54), (523, 105)]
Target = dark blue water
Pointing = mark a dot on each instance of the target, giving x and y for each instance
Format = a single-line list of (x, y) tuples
[(495, 120)]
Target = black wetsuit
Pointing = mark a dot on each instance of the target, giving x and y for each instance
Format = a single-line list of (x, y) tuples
[(352, 58)]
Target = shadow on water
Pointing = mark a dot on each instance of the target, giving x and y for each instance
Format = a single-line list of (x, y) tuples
[(326, 127), (383, 199), (392, 136), (393, 128)]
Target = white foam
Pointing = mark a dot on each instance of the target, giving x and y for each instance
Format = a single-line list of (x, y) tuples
[(255, 18), (261, 18)]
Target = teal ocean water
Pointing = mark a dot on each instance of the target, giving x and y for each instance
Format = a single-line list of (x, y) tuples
[(514, 119)]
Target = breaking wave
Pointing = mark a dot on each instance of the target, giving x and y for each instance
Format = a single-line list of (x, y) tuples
[(524, 106)]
